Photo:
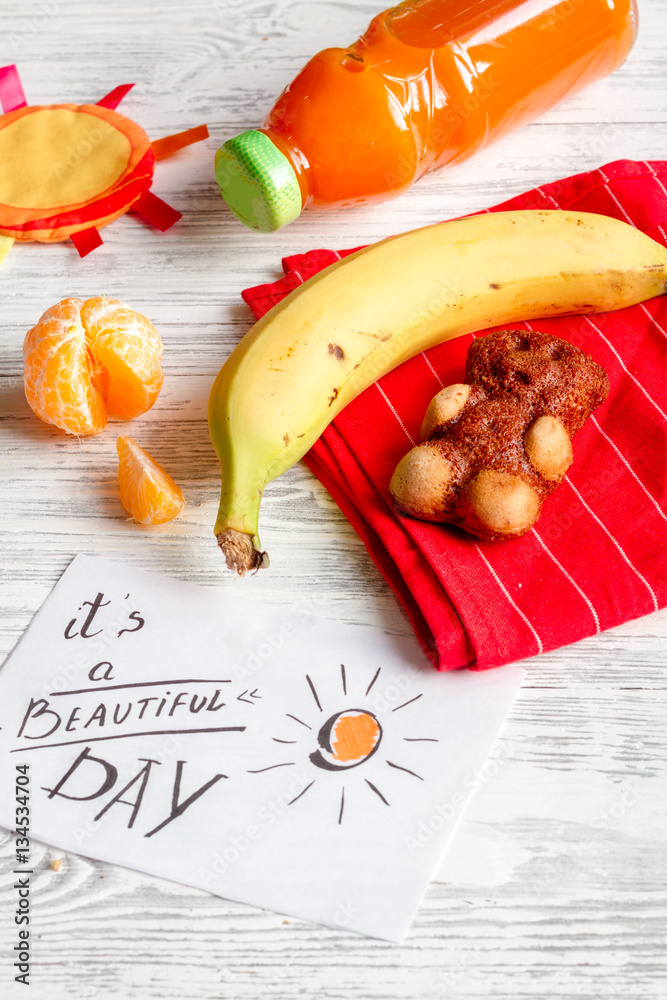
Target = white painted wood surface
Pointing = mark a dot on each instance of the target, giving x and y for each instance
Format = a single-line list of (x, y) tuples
[(556, 886)]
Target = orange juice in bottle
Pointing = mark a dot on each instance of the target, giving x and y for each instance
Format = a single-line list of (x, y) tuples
[(429, 83)]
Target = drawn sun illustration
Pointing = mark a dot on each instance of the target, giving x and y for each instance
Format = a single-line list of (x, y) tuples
[(347, 739)]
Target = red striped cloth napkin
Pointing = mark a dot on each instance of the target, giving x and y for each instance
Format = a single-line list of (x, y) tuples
[(598, 555)]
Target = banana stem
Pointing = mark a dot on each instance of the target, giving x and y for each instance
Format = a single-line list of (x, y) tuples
[(240, 552), (236, 523)]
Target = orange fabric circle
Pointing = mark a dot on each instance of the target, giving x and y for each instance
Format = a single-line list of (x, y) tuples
[(67, 168)]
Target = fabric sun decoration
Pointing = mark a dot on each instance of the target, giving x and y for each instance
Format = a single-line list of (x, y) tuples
[(70, 169)]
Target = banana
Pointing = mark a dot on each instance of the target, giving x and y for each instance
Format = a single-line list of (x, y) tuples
[(347, 326)]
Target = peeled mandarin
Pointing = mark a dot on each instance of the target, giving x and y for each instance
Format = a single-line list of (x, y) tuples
[(147, 492), (84, 361)]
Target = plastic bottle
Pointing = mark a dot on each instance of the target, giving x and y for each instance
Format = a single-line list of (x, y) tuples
[(429, 83)]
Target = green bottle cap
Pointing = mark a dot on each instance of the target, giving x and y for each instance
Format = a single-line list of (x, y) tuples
[(258, 182)]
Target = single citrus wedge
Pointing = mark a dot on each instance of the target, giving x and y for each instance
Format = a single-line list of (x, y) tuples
[(147, 492), (84, 361)]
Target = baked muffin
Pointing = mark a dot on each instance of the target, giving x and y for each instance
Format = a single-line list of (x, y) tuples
[(493, 448)]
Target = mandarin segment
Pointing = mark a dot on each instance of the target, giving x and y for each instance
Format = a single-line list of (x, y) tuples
[(49, 323), (147, 492), (129, 348), (58, 370), (87, 360), (96, 309), (102, 314)]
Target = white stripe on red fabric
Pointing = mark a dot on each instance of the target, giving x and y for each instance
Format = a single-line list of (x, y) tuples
[(479, 551), (558, 564), (653, 319), (659, 182), (631, 470), (549, 196), (640, 386), (540, 647), (625, 368), (615, 542), (435, 374), (573, 582), (395, 412), (641, 304), (606, 184)]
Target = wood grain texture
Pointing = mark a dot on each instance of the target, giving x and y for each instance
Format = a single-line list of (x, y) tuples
[(556, 885)]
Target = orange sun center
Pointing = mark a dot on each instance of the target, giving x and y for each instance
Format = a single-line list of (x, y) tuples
[(354, 736)]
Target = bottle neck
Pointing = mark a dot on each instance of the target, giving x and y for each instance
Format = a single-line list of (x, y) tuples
[(296, 157)]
